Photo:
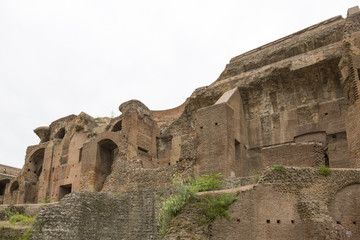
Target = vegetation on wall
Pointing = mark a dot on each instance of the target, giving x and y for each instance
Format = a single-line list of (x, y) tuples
[(186, 192), (324, 170), (217, 206), (279, 168)]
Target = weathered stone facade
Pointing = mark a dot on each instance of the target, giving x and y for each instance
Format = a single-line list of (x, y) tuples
[(6, 174), (293, 102)]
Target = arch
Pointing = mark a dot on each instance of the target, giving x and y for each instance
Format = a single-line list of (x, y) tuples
[(117, 126), (60, 134), (344, 208), (105, 158), (3, 186), (36, 161), (14, 187)]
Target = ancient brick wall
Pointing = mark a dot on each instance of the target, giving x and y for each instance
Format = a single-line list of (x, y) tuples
[(215, 149), (93, 216), (294, 154), (301, 204)]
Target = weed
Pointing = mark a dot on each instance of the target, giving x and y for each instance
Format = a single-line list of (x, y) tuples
[(279, 168), (186, 192), (8, 213), (171, 206), (209, 182), (21, 219), (27, 234), (217, 206), (324, 170), (46, 200)]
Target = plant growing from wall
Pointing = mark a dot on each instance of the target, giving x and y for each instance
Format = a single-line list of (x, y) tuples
[(279, 168), (209, 182), (21, 219), (185, 192), (324, 170), (217, 206)]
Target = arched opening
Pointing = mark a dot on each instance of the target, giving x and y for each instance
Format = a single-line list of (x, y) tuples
[(14, 187), (3, 186), (36, 161), (60, 134), (344, 208), (117, 127), (105, 159)]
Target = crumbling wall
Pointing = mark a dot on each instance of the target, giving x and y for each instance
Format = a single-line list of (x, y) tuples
[(86, 215), (299, 204)]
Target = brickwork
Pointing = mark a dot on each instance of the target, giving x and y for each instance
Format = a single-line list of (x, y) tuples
[(294, 154), (87, 215), (301, 204)]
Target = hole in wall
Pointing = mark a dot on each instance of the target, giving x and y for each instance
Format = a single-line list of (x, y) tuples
[(60, 134), (333, 136), (338, 222), (354, 222), (277, 221), (216, 124), (325, 114), (201, 127), (117, 127), (80, 154), (64, 190), (14, 187), (268, 221), (292, 221), (3, 186), (238, 220), (143, 150), (106, 152)]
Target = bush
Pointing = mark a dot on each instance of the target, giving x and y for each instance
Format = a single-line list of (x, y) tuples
[(186, 192), (21, 219), (217, 206), (279, 168), (209, 182), (324, 170)]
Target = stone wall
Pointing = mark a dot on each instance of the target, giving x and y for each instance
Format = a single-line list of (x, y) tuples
[(301, 204), (86, 215), (294, 154)]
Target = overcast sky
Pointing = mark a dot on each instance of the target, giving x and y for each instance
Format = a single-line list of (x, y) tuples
[(63, 57)]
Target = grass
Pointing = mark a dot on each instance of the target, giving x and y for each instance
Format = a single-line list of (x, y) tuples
[(45, 200), (324, 170), (279, 168), (22, 220)]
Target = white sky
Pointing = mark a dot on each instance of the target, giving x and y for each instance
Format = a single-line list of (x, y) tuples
[(63, 57)]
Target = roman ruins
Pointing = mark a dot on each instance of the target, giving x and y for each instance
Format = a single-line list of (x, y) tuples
[(292, 102)]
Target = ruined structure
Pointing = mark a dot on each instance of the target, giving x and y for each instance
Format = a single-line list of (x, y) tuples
[(6, 174), (293, 102)]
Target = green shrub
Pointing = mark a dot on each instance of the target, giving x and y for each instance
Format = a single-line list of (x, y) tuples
[(21, 219), (324, 170), (8, 213), (279, 168), (209, 182), (217, 206), (185, 192)]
